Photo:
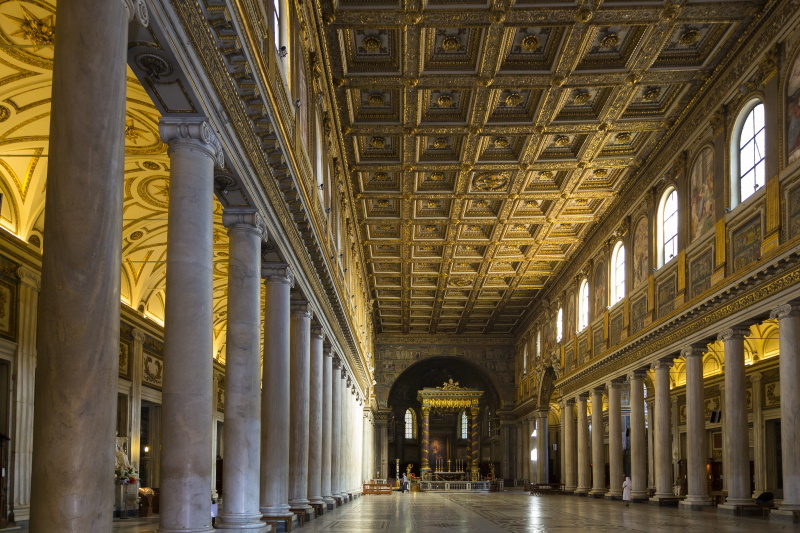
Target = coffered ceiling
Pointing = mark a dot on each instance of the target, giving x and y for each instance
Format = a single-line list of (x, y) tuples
[(485, 139)]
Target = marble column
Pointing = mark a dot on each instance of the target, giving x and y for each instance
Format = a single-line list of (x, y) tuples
[(366, 455), (29, 287), (759, 451), (315, 419), (188, 326), (696, 452), (275, 399), (598, 447), (424, 448), (651, 447), (383, 447), (542, 447), (662, 455), (78, 328), (569, 453), (473, 441), (583, 446), (638, 437), (299, 392), (788, 317), (336, 428), (242, 428), (614, 440), (327, 423), (136, 373), (736, 435)]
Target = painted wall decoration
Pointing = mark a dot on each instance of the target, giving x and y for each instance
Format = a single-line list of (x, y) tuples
[(615, 329), (641, 242), (569, 316), (439, 451), (125, 352), (638, 314), (701, 193), (666, 296), (794, 211), (746, 245), (598, 340), (599, 289), (569, 360), (583, 350), (793, 111), (700, 273), (8, 309), (547, 338), (153, 371)]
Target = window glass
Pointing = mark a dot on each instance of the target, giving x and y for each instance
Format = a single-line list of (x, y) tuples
[(583, 305), (669, 226), (752, 139), (409, 424)]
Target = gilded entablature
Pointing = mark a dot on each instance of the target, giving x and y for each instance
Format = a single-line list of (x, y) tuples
[(485, 144)]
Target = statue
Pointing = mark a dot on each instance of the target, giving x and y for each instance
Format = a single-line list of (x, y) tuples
[(120, 457)]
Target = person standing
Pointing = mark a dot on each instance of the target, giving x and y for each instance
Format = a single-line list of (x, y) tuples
[(626, 490), (404, 484)]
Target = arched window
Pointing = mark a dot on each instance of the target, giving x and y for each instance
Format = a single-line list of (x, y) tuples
[(668, 226), (583, 305), (525, 359), (749, 167), (538, 344), (560, 324), (464, 425), (618, 273), (411, 426)]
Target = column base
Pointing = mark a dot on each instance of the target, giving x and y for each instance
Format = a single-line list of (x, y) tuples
[(739, 509), (581, 491), (611, 496), (597, 493), (570, 490), (695, 504), (209, 529), (330, 502), (259, 527), (664, 501), (785, 515)]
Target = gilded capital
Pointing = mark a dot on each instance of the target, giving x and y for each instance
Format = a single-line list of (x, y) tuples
[(277, 273), (29, 277), (137, 9), (192, 132), (244, 219)]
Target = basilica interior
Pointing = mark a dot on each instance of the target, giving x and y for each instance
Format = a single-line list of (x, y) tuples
[(261, 258)]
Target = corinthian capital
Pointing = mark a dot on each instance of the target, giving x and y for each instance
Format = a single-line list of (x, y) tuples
[(244, 218), (194, 132), (137, 9)]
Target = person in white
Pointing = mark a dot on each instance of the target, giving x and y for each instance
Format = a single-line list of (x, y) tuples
[(626, 490)]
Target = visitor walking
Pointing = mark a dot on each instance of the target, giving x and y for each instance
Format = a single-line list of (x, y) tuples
[(626, 490)]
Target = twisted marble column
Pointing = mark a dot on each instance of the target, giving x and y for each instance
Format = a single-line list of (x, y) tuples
[(662, 456), (327, 423), (275, 399), (473, 440), (315, 419), (242, 428), (299, 392), (425, 441), (569, 454), (583, 445), (614, 440), (735, 438), (638, 436), (697, 486), (598, 449)]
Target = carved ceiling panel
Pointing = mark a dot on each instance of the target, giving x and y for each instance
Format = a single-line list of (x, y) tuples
[(487, 138)]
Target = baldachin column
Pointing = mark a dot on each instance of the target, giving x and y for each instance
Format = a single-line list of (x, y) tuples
[(424, 442), (275, 400), (570, 459), (598, 448), (735, 438), (327, 422), (696, 454), (614, 440), (583, 446), (473, 441), (299, 390), (638, 437), (242, 428), (315, 419), (662, 456), (77, 364)]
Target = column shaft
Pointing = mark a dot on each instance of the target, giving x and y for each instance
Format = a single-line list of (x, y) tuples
[(188, 326), (473, 441), (542, 438), (735, 439), (78, 332), (789, 337), (569, 453), (615, 440), (336, 429), (299, 392), (583, 446), (315, 419), (598, 448), (638, 438), (759, 451), (327, 422), (275, 400), (662, 456), (425, 441), (697, 486), (242, 428)]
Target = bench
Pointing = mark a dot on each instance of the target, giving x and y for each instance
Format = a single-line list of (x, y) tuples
[(546, 488), (377, 488)]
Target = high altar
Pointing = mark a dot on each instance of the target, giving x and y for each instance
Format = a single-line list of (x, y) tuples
[(449, 397)]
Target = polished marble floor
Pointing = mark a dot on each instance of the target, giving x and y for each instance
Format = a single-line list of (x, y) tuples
[(512, 511)]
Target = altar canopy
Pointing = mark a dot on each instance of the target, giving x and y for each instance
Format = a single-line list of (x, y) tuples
[(450, 397)]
